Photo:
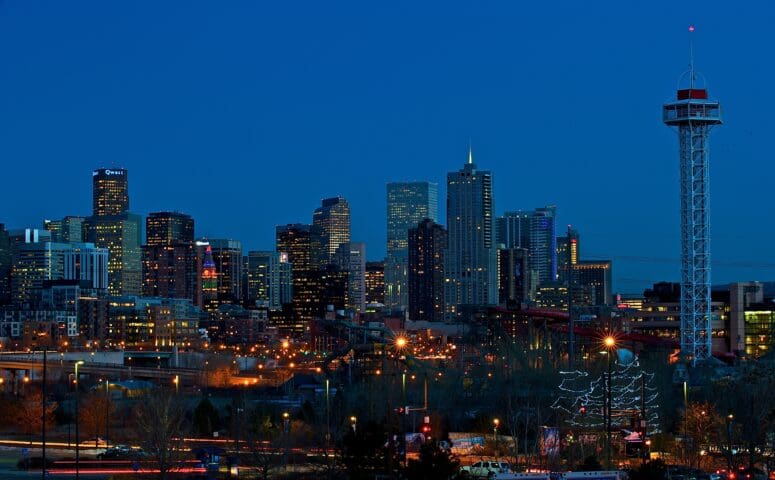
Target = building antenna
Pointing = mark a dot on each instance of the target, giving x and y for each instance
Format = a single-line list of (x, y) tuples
[(691, 57), (470, 152)]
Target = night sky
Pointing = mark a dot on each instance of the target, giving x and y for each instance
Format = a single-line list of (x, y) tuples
[(246, 114)]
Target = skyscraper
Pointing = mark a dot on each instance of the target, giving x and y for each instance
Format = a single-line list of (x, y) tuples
[(296, 241), (356, 277), (512, 230), (408, 203), (374, 281), (207, 295), (331, 222), (120, 234), (227, 256), (594, 277), (269, 279), (169, 262), (35, 263), (543, 244), (513, 276), (168, 228), (68, 229), (5, 266), (470, 263), (427, 242), (110, 193), (567, 254)]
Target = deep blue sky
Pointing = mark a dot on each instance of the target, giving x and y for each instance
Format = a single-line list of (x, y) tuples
[(246, 114)]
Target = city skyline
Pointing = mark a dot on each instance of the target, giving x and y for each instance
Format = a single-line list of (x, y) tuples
[(613, 201)]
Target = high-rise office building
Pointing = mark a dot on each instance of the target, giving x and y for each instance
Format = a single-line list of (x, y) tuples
[(331, 222), (5, 266), (567, 254), (169, 257), (512, 230), (543, 244), (207, 278), (66, 230), (374, 281), (595, 277), (168, 228), (36, 263), (408, 203), (296, 241), (269, 279), (356, 277), (121, 235), (227, 257), (514, 284), (426, 244), (470, 261), (110, 191)]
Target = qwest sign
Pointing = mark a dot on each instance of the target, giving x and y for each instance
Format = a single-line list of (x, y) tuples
[(109, 172)]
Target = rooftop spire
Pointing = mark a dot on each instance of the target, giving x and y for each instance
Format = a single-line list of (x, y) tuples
[(470, 153)]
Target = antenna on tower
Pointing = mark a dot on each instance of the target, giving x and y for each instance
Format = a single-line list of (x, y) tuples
[(470, 152), (691, 57)]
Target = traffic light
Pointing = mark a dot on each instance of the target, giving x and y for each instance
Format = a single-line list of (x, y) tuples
[(426, 426), (400, 410), (583, 410)]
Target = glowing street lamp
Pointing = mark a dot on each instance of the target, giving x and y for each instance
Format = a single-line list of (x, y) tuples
[(495, 423), (610, 345), (401, 342), (354, 423), (77, 441)]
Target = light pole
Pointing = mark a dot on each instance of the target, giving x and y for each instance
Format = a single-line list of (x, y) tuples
[(730, 417), (176, 381), (107, 411), (610, 344), (286, 431), (495, 424), (43, 402), (77, 446), (354, 424)]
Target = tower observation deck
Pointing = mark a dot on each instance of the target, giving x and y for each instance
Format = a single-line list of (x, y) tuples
[(693, 115)]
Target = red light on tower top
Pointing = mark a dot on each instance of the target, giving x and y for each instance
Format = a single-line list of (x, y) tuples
[(691, 28)]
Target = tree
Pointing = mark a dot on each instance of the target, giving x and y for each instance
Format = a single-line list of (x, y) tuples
[(590, 464), (653, 470), (206, 418), (27, 413), (95, 412), (700, 422), (262, 434), (368, 451), (160, 423), (434, 463)]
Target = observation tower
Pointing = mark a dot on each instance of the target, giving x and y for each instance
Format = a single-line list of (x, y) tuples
[(693, 116)]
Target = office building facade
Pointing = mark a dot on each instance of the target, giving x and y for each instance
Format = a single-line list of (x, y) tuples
[(331, 228), (470, 267), (169, 257), (110, 191), (374, 282), (426, 244), (408, 203)]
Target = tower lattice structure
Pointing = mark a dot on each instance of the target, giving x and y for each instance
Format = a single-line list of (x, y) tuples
[(694, 115)]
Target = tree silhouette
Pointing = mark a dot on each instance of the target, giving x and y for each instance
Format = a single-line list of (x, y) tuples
[(160, 423)]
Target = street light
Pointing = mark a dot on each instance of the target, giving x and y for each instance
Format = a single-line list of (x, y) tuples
[(354, 423), (730, 417), (495, 424), (610, 344), (77, 446), (176, 381), (401, 342)]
